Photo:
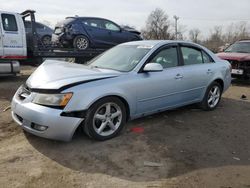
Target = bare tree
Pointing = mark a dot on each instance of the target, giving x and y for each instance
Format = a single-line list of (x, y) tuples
[(157, 26), (243, 31), (236, 31), (194, 35), (215, 40)]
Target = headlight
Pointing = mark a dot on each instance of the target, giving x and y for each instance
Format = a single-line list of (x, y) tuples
[(55, 100)]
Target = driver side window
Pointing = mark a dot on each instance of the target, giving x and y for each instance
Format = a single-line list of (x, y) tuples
[(167, 58)]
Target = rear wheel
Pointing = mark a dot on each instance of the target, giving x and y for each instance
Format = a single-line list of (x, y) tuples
[(105, 119), (212, 97), (81, 42)]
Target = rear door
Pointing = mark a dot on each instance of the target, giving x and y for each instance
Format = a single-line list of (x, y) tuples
[(12, 36), (198, 71), (95, 29)]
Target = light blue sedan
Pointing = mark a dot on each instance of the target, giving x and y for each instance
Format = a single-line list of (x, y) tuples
[(129, 81)]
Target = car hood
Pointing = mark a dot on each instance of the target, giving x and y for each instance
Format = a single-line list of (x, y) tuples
[(56, 75), (131, 30), (234, 56)]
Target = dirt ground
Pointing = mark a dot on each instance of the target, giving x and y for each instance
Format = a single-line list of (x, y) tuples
[(193, 149)]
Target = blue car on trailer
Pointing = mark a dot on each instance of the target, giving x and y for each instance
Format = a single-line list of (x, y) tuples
[(91, 32)]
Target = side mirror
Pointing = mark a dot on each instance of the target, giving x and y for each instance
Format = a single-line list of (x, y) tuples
[(153, 67)]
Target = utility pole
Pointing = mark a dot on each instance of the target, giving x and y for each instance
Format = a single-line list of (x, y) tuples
[(176, 31)]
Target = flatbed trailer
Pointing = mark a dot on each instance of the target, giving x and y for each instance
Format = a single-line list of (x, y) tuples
[(34, 53)]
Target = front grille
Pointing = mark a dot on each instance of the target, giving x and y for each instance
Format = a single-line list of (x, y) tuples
[(234, 64), (19, 118)]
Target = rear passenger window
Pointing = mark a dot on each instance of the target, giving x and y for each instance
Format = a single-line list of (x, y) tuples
[(167, 58), (93, 23), (191, 56), (9, 22)]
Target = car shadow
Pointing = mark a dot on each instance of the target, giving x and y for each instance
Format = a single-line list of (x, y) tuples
[(179, 141)]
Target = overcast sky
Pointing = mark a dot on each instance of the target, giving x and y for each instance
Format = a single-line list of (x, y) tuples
[(202, 14)]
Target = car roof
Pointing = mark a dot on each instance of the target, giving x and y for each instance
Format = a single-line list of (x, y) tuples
[(85, 17), (244, 40), (154, 43)]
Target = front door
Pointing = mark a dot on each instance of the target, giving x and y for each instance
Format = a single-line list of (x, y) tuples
[(1, 41), (115, 34), (161, 90), (12, 38)]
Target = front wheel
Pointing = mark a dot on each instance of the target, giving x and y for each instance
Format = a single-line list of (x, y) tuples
[(81, 42), (105, 119), (212, 97)]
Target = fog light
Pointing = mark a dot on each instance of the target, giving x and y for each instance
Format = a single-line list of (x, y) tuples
[(39, 127)]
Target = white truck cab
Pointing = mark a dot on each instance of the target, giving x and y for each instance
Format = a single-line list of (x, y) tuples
[(12, 42)]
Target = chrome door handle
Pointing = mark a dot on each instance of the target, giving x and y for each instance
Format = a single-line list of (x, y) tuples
[(178, 76)]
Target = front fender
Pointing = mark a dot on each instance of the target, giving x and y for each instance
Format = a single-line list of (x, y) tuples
[(86, 95)]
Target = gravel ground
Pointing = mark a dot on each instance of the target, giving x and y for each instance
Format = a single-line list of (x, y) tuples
[(185, 147)]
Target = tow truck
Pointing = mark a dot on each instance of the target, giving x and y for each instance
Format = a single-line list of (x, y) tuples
[(13, 45)]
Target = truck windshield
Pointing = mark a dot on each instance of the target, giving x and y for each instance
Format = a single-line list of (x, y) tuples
[(240, 47), (121, 58)]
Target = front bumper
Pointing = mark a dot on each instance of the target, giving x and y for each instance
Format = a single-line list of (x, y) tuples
[(27, 114)]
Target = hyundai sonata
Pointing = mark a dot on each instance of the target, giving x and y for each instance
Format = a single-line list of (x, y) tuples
[(129, 81)]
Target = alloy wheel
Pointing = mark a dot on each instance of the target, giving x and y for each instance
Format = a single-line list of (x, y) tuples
[(107, 119), (82, 43), (214, 96)]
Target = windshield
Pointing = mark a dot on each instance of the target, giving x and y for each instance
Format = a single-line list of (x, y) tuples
[(121, 58), (240, 47)]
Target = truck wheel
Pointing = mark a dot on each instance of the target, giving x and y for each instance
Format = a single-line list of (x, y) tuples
[(81, 42)]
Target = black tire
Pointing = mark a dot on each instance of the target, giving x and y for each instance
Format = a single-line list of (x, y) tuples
[(46, 40), (205, 105), (81, 42), (91, 123)]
